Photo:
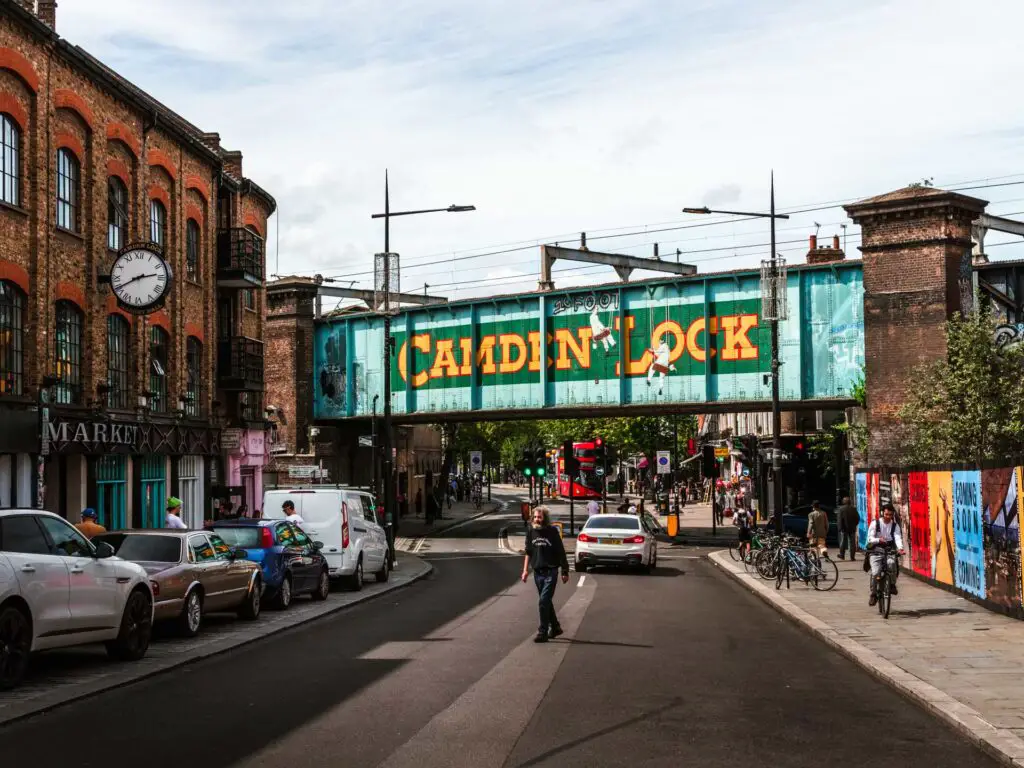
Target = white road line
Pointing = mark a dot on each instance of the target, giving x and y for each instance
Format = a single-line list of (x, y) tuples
[(417, 545), (582, 579), (501, 540)]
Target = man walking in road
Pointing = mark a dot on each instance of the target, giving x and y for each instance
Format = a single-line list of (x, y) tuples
[(817, 528), (290, 514), (89, 527), (173, 519), (545, 553), (593, 508), (849, 523)]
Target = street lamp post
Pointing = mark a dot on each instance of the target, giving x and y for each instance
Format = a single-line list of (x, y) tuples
[(777, 495), (390, 513)]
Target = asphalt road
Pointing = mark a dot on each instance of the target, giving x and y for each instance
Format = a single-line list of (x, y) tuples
[(679, 668)]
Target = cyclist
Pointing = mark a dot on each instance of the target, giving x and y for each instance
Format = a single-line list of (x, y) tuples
[(883, 535), (742, 521)]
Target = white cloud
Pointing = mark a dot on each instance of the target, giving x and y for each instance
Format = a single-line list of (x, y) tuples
[(557, 118)]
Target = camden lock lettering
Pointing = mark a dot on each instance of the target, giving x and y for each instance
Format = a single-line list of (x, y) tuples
[(93, 434), (423, 356)]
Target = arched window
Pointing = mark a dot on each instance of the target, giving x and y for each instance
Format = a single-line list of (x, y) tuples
[(118, 361), (117, 213), (12, 330), (192, 250), (159, 345), (10, 160), (67, 190), (67, 353), (194, 362), (157, 222)]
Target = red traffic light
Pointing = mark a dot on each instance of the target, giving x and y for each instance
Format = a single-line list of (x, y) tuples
[(799, 446), (598, 442)]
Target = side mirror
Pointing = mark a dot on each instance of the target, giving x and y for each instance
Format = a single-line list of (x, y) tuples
[(103, 550), (239, 553), (318, 545)]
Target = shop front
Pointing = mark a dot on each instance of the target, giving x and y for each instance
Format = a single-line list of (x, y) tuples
[(19, 448), (245, 456), (125, 469)]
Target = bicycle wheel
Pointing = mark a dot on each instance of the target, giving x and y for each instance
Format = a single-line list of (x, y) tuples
[(883, 593), (827, 575), (734, 552), (767, 564), (783, 570)]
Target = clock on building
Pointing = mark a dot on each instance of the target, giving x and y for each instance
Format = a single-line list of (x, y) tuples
[(140, 278)]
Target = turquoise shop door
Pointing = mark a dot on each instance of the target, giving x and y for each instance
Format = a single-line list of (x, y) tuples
[(153, 485), (112, 491)]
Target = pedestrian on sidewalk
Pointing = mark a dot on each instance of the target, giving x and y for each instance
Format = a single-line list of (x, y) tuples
[(173, 519), (545, 553), (883, 533), (817, 529), (89, 527), (433, 506), (849, 523), (419, 502)]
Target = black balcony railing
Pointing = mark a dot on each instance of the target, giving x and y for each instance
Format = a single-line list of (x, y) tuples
[(240, 364), (239, 258)]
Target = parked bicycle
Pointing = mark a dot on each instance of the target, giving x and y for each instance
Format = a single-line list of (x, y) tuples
[(806, 565)]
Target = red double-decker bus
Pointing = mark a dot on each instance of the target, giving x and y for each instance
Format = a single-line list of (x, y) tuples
[(586, 484)]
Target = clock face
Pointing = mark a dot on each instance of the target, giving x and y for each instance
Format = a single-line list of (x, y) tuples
[(140, 278)]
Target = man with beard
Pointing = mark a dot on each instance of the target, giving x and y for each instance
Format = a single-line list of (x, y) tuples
[(545, 553)]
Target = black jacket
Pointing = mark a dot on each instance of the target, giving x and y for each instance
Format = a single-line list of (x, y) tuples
[(545, 549), (849, 518)]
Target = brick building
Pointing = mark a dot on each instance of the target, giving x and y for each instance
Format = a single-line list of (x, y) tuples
[(139, 407)]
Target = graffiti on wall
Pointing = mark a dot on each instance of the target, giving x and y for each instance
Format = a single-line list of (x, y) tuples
[(962, 527)]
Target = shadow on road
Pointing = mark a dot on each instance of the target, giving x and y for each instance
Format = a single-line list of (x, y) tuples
[(609, 643)]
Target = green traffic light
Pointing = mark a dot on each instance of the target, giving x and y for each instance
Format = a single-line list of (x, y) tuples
[(527, 471), (541, 471)]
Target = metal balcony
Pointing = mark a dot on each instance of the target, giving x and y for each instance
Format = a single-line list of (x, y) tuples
[(240, 364), (239, 259)]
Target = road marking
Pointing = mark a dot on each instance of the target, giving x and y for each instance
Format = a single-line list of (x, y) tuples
[(582, 579), (418, 545)]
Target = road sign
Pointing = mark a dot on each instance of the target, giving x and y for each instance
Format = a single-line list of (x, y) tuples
[(599, 471), (366, 441), (303, 470), (476, 461), (664, 462), (721, 451)]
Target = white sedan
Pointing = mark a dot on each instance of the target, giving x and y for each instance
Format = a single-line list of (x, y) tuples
[(616, 540), (58, 589)]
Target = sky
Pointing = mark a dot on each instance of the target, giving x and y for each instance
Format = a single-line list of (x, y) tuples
[(603, 116)]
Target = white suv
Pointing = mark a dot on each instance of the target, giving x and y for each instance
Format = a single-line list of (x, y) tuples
[(57, 589)]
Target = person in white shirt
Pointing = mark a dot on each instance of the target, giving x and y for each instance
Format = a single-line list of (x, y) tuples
[(290, 514), (632, 508), (593, 507), (173, 519), (883, 534)]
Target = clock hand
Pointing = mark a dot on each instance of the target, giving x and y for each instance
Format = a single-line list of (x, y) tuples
[(140, 277)]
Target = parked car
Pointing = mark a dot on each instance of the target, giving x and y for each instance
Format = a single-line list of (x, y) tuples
[(345, 520), (57, 589), (291, 562), (622, 540), (192, 573), (794, 521)]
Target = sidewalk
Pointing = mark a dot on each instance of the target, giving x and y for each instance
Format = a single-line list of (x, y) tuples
[(961, 662), (695, 525), (60, 677), (412, 528)]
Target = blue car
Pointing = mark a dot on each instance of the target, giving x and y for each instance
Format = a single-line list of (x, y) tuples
[(291, 562), (794, 521)]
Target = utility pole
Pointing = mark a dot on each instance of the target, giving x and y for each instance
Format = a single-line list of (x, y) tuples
[(777, 491)]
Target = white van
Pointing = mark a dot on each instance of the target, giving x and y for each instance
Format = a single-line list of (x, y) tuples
[(344, 520)]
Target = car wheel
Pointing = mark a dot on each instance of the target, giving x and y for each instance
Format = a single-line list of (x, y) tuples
[(284, 594), (251, 607), (15, 646), (385, 570), (323, 586), (355, 581), (191, 617), (136, 628)]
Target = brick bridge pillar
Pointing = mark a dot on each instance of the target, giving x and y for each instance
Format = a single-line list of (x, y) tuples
[(916, 245)]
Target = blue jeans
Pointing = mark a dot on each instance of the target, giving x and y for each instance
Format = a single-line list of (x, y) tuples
[(546, 581)]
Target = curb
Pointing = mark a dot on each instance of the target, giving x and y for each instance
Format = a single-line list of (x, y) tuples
[(1000, 743), (117, 681), (496, 505)]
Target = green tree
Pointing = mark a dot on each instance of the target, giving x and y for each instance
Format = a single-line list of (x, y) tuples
[(968, 407)]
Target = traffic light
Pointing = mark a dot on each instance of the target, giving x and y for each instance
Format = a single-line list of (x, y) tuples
[(708, 463), (598, 451), (526, 463), (569, 462), (540, 462)]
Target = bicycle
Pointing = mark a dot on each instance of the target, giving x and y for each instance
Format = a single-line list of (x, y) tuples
[(885, 581), (807, 566)]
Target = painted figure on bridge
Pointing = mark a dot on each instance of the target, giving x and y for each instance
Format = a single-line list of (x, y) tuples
[(600, 332), (660, 364)]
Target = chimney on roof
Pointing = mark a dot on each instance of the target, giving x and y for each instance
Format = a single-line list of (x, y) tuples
[(824, 254), (233, 163), (46, 10), (212, 140)]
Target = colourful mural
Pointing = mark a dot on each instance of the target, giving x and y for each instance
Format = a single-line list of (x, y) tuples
[(963, 527), (684, 340)]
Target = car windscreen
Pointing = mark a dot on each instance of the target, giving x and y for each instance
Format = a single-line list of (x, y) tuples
[(154, 549), (607, 522), (239, 536)]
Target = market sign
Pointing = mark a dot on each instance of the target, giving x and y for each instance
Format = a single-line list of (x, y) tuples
[(679, 340)]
